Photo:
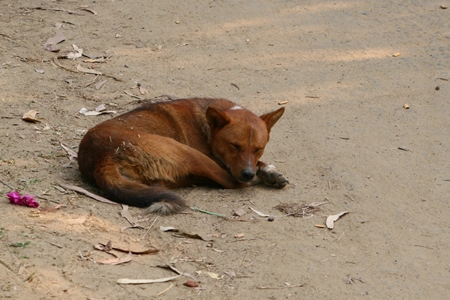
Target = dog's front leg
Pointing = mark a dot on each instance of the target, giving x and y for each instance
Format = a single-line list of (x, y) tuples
[(270, 176)]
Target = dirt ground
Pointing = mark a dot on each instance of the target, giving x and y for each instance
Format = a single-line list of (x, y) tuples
[(345, 69)]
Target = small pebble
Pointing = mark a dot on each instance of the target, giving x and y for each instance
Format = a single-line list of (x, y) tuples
[(437, 88), (270, 219)]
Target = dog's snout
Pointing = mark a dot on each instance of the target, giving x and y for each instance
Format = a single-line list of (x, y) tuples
[(247, 174)]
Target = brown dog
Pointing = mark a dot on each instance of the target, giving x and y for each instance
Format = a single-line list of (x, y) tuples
[(136, 157)]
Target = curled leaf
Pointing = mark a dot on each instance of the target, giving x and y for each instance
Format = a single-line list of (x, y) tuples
[(142, 281), (30, 116), (332, 218)]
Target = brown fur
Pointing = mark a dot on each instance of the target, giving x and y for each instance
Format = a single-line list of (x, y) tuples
[(136, 157)]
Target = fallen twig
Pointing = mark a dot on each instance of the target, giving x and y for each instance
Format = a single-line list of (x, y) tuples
[(142, 281), (132, 95), (126, 214), (7, 184), (87, 193), (149, 228), (56, 245), (83, 70), (70, 12)]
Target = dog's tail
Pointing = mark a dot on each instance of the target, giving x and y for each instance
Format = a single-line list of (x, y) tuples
[(119, 188)]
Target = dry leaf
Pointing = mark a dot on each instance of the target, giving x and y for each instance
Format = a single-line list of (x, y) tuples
[(260, 213), (180, 233), (126, 214), (51, 43), (104, 247), (74, 55), (86, 112), (167, 228), (96, 113), (30, 116), (101, 107), (90, 10), (193, 236), (332, 218), (116, 261), (142, 281)]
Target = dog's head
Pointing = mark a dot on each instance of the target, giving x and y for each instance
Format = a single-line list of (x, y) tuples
[(238, 138)]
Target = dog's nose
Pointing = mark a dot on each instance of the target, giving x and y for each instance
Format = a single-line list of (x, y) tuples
[(247, 174)]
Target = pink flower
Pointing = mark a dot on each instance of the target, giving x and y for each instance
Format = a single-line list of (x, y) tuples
[(15, 198), (27, 200)]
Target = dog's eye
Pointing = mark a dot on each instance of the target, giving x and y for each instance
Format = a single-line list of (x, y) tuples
[(237, 147), (257, 150)]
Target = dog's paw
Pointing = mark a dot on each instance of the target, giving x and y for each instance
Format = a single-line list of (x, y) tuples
[(270, 176)]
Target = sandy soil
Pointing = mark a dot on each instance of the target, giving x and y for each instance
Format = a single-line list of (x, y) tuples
[(345, 68)]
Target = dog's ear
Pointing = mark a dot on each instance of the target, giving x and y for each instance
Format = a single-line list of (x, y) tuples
[(216, 119), (271, 118)]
